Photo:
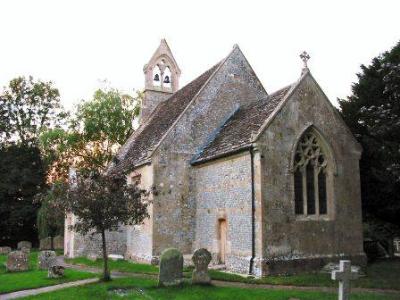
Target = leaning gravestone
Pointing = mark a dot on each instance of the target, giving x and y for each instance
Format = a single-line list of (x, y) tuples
[(26, 250), (24, 244), (17, 261), (171, 268), (201, 258), (44, 259), (5, 250), (56, 268)]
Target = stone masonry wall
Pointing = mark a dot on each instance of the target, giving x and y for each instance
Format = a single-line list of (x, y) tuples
[(140, 237), (306, 242), (223, 190), (234, 84)]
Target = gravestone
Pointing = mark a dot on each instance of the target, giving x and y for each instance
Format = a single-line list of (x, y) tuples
[(24, 244), (344, 275), (56, 268), (45, 244), (58, 242), (44, 259), (5, 250), (17, 261), (26, 250), (201, 258), (171, 268)]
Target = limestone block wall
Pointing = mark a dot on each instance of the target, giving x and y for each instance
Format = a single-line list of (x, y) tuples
[(140, 237), (91, 244), (234, 84), (223, 191), (293, 242)]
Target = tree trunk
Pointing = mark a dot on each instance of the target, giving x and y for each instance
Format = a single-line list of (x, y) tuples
[(106, 273)]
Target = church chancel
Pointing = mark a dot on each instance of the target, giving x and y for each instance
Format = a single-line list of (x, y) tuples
[(268, 183)]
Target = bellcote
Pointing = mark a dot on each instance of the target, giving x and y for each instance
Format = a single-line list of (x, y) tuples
[(162, 72)]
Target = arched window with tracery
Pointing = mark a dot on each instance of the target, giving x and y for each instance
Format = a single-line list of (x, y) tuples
[(311, 165)]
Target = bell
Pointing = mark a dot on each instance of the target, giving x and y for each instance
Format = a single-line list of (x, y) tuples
[(166, 79), (156, 77)]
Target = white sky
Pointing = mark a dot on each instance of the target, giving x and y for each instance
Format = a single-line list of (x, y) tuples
[(77, 44)]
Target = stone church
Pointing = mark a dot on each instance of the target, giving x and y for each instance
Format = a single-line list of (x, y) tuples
[(268, 183)]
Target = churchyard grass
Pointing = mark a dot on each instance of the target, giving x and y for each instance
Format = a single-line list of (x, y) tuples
[(380, 275), (115, 265), (139, 288), (34, 278)]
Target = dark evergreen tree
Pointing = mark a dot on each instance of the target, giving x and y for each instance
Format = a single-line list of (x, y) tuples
[(373, 114), (22, 175)]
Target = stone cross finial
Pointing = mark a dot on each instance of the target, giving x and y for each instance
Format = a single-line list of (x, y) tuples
[(305, 57), (344, 275)]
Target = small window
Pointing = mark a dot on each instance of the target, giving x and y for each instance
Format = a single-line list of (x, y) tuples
[(310, 169)]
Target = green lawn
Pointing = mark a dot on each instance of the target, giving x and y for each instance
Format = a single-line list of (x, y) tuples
[(382, 274), (34, 278), (115, 265), (137, 288)]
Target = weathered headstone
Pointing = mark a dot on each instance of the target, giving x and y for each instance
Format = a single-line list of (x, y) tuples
[(58, 242), (171, 268), (344, 275), (201, 258), (5, 250), (17, 261), (26, 250), (45, 244), (24, 244), (44, 259), (56, 268)]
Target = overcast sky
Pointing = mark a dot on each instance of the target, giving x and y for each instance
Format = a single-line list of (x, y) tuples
[(77, 44)]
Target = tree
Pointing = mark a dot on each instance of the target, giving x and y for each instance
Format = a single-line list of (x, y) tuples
[(22, 175), (103, 203), (50, 216), (27, 107), (99, 127), (373, 114)]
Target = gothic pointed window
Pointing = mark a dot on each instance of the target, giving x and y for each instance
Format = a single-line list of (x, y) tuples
[(156, 76), (310, 176)]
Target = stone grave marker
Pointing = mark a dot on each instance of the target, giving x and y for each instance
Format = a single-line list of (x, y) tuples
[(171, 268), (44, 259), (344, 275), (5, 250), (26, 250), (58, 242), (201, 258), (24, 244), (56, 268), (17, 261), (45, 244)]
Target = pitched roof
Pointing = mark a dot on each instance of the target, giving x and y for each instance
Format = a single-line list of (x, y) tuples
[(238, 131), (138, 147)]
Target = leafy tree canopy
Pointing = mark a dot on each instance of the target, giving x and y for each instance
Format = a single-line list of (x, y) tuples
[(373, 114), (22, 175), (99, 127), (27, 107)]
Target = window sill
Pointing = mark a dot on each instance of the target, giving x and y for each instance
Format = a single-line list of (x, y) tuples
[(313, 218)]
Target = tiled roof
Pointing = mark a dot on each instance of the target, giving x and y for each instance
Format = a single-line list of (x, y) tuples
[(238, 131), (148, 135)]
